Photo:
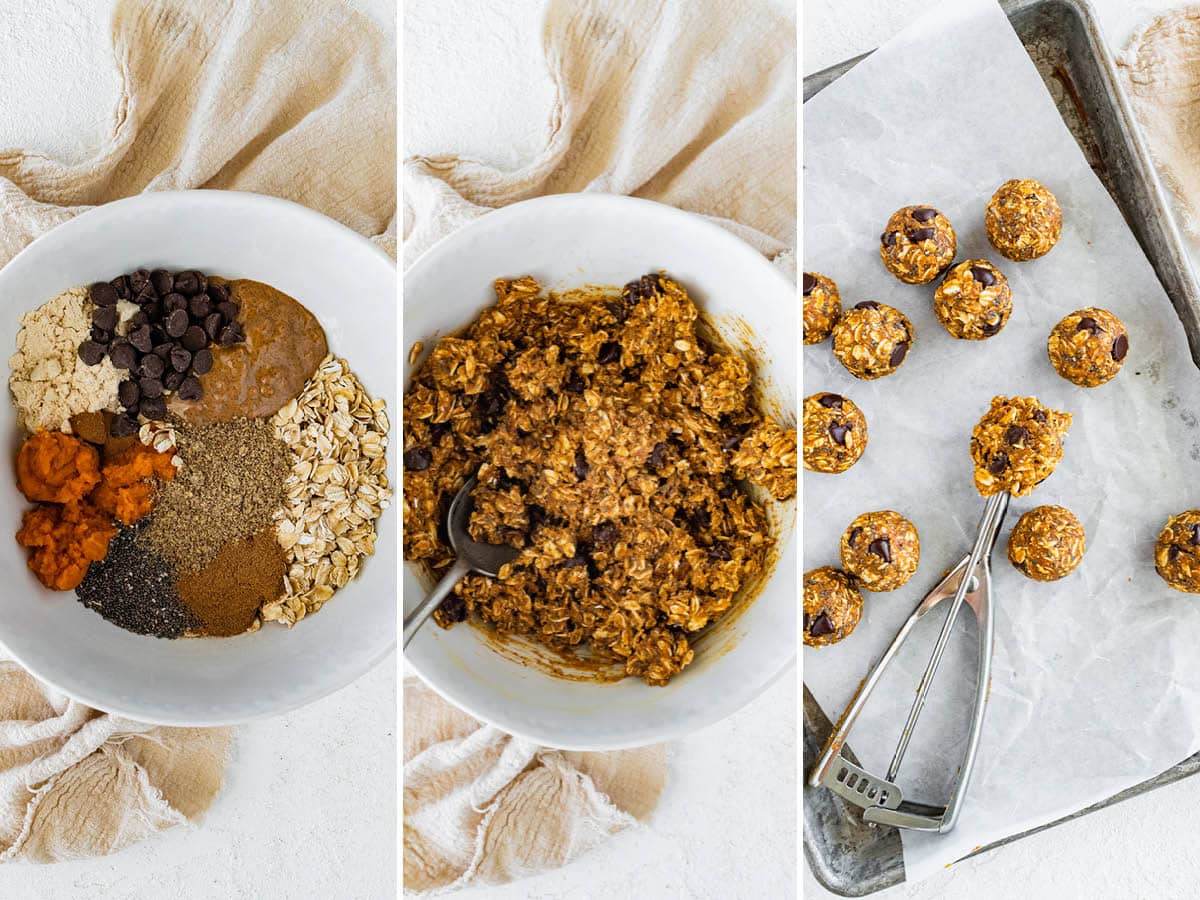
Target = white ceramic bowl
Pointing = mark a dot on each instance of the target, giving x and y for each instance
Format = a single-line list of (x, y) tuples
[(564, 241), (351, 287)]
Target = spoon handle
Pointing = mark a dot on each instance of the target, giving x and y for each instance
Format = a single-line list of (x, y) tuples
[(417, 617)]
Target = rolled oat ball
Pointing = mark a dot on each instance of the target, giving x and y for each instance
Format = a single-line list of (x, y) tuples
[(1017, 445), (1088, 347), (1047, 543), (872, 339), (881, 550), (832, 606), (835, 433), (822, 306), (1177, 552), (973, 302), (1023, 220), (917, 244)]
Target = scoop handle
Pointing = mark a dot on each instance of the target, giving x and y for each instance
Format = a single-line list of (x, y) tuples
[(415, 619)]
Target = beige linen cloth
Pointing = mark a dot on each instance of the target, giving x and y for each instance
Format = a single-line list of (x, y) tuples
[(1162, 69), (294, 98), (692, 104)]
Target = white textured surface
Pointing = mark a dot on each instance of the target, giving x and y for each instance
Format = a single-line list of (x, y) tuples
[(309, 805), (1140, 848), (725, 828)]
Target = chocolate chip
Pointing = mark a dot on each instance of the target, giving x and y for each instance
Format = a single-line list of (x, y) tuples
[(1015, 435), (190, 282), (882, 548), (181, 359), (120, 284), (152, 312), (921, 234), (172, 380), (831, 401), (720, 551), (610, 352), (163, 349), (866, 304), (574, 384), (888, 238), (151, 366), (145, 296), (1120, 347), (212, 325), (645, 287), (99, 335), (228, 309), (575, 561), (103, 294), (417, 459), (807, 621), (983, 276), (898, 353), (177, 323), (199, 306), (163, 281), (190, 389), (1087, 323), (604, 533), (1039, 415), (454, 608), (1196, 535), (91, 353), (990, 328), (838, 430), (217, 293), (655, 460), (854, 536), (231, 334), (139, 281), (138, 319), (150, 387), (924, 214), (822, 625), (153, 407), (1173, 553), (581, 464), (122, 354), (998, 463), (172, 302), (194, 339), (809, 283), (123, 425), (128, 393), (140, 338), (202, 360)]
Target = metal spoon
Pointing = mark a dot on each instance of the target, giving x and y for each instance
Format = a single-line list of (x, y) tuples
[(472, 556)]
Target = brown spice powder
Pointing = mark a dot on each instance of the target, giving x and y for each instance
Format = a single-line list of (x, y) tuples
[(229, 488), (226, 594)]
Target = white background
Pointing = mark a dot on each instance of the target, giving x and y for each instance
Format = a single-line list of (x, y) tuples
[(309, 805), (1141, 848)]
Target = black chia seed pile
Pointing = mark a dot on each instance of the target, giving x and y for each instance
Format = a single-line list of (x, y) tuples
[(134, 588)]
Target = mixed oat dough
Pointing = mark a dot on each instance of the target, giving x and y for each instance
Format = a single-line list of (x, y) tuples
[(1088, 347), (872, 339), (881, 550), (1177, 552), (1017, 445), (1023, 220), (832, 606), (835, 433), (973, 302), (1047, 543), (918, 244), (612, 440), (822, 306)]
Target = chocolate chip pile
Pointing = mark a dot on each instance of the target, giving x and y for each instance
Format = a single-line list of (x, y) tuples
[(164, 345)]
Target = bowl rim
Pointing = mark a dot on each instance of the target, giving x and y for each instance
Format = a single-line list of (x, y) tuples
[(156, 199), (741, 254)]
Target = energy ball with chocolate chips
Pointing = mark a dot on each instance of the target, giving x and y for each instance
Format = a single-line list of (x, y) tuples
[(1177, 552), (835, 433), (872, 339), (832, 606), (1047, 543), (1023, 220), (1017, 445), (881, 550), (917, 244), (973, 302), (822, 306), (1088, 347)]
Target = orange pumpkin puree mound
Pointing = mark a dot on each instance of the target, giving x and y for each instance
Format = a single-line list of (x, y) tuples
[(126, 490), (53, 467), (65, 541)]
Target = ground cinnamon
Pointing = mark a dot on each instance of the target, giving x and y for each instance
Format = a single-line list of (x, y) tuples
[(225, 594)]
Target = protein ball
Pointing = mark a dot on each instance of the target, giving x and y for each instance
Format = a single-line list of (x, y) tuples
[(973, 302), (872, 339), (881, 550), (1017, 445), (918, 244), (835, 433), (1088, 347), (1047, 543), (1177, 552), (832, 606), (1023, 220), (822, 306)]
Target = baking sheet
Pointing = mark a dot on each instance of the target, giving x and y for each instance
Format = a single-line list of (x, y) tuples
[(1092, 685)]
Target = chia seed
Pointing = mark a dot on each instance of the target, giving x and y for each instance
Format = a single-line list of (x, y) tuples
[(134, 589)]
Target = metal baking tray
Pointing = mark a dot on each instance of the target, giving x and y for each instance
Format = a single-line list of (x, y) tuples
[(847, 856)]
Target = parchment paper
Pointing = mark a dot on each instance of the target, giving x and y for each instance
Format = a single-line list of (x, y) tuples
[(1095, 681)]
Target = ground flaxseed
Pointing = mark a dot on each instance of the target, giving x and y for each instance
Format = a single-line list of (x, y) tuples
[(230, 486)]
